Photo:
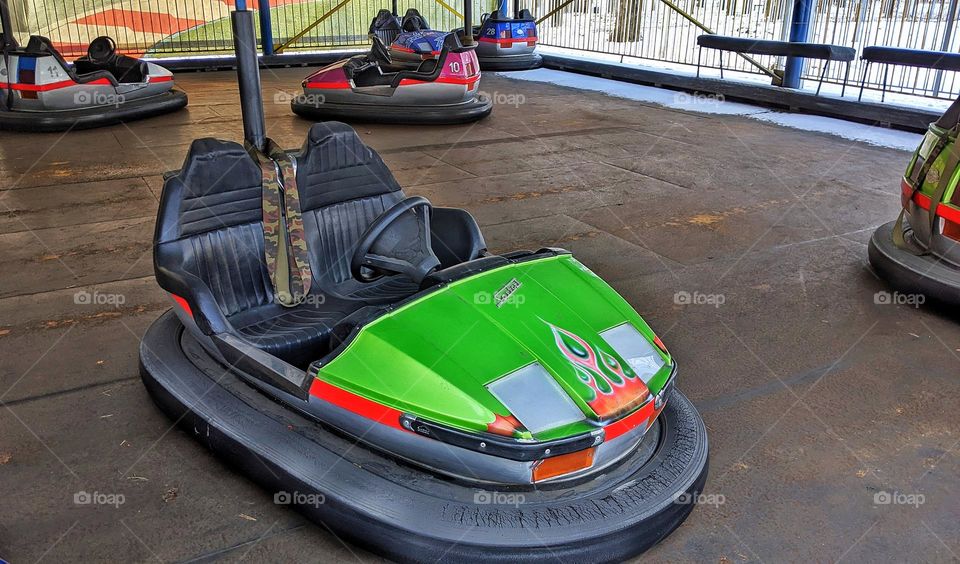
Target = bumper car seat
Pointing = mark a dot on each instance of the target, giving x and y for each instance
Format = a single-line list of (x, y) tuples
[(414, 21), (41, 46), (209, 243), (102, 56)]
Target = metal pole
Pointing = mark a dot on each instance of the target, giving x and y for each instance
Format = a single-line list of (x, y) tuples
[(799, 33), (248, 76), (467, 23), (395, 7), (945, 45), (7, 26), (266, 28)]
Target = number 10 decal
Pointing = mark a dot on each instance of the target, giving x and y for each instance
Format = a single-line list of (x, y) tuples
[(455, 67)]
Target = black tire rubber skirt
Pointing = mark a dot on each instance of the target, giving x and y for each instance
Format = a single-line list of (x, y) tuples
[(514, 63), (87, 118), (406, 514), (927, 274), (466, 112)]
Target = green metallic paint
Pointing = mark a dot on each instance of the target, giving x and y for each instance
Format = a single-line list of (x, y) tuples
[(928, 185), (432, 357)]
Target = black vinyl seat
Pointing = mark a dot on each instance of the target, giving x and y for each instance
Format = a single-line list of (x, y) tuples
[(102, 56), (385, 26), (39, 46), (209, 251), (209, 242), (414, 21), (344, 185)]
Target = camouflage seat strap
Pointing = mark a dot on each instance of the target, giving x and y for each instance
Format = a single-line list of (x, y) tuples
[(292, 212), (275, 241)]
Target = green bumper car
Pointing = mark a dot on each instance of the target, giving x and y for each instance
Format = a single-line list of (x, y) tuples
[(395, 380), (919, 253)]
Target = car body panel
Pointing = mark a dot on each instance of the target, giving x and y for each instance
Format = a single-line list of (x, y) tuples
[(433, 357), (941, 237), (456, 84), (498, 38), (40, 83)]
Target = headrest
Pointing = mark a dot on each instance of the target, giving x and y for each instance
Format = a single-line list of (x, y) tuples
[(213, 166), (334, 165), (218, 187), (413, 21), (385, 20), (525, 15), (39, 45), (332, 145), (452, 43)]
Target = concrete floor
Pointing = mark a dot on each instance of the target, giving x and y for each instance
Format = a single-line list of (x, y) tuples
[(816, 397)]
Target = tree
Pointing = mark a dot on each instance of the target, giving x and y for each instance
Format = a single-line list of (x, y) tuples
[(627, 29)]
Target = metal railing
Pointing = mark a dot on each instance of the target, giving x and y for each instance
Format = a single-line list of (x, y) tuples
[(649, 29), (642, 29), (186, 27)]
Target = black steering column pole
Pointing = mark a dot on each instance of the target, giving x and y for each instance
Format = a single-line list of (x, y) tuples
[(7, 27), (467, 39), (248, 76)]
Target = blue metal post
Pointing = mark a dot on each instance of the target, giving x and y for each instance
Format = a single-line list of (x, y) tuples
[(799, 33), (266, 29), (503, 9)]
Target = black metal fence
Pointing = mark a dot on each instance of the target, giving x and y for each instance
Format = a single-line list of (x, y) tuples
[(651, 30), (626, 29), (185, 27)]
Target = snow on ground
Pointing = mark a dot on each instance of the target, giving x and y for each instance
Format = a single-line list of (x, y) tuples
[(708, 105)]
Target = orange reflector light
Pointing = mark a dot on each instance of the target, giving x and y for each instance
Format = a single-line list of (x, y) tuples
[(951, 229), (659, 343), (563, 464)]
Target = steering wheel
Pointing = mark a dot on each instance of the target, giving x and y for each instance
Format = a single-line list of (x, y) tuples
[(101, 49), (379, 52), (397, 242)]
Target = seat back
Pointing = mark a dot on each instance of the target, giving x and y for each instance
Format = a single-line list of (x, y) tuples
[(102, 56), (123, 68), (386, 26), (344, 185), (209, 234), (413, 21), (39, 46)]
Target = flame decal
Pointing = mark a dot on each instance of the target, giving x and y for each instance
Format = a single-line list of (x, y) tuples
[(613, 387)]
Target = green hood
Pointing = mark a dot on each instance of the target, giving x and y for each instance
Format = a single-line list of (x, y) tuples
[(434, 356)]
